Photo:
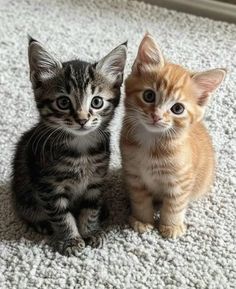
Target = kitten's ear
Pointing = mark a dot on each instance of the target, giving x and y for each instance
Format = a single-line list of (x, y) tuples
[(42, 64), (206, 82), (113, 64), (149, 53)]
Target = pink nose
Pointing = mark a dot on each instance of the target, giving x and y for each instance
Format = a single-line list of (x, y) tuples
[(155, 117)]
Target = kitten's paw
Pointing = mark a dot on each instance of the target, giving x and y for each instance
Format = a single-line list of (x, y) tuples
[(172, 231), (139, 226), (71, 247), (97, 240)]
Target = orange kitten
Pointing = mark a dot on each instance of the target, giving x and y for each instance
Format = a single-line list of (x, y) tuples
[(167, 153)]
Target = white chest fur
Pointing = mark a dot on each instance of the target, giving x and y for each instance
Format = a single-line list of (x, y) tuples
[(153, 172)]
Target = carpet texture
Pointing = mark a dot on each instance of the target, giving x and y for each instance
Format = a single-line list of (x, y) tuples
[(205, 257)]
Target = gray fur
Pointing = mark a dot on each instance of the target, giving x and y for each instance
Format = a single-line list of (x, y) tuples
[(60, 165)]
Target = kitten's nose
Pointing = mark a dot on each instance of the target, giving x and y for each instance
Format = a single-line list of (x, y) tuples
[(82, 117), (82, 122), (155, 117)]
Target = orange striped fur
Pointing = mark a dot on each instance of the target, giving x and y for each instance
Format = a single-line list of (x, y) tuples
[(166, 157)]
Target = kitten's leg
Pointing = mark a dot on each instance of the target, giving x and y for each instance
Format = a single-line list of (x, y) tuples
[(89, 227), (90, 215), (68, 241), (172, 215), (66, 237), (142, 212)]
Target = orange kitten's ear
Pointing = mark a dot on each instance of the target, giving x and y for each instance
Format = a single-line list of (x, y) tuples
[(206, 82), (148, 53)]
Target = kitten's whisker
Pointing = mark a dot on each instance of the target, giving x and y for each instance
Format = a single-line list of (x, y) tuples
[(59, 138), (37, 140), (102, 135), (45, 142), (36, 131), (130, 121)]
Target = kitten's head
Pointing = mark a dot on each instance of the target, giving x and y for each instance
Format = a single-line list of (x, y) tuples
[(163, 97), (77, 96)]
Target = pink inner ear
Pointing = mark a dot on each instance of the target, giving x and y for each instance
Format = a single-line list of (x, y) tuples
[(205, 88), (202, 98), (148, 53), (207, 85), (207, 82), (142, 53)]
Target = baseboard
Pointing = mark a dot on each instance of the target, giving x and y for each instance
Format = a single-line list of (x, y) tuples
[(207, 8)]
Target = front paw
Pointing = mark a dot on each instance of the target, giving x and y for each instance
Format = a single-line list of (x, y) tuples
[(97, 240), (70, 247), (173, 231), (139, 226)]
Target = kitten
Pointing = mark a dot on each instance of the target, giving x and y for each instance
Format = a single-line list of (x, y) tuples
[(166, 150), (60, 164)]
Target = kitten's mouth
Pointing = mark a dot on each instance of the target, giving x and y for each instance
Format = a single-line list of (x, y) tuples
[(156, 127), (159, 125), (83, 128), (79, 130)]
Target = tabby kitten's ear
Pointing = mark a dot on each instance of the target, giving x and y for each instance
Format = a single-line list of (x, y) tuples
[(206, 82), (149, 53), (113, 64), (42, 64)]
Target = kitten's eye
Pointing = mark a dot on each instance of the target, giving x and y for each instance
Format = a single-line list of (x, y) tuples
[(177, 108), (97, 102), (149, 96), (63, 102)]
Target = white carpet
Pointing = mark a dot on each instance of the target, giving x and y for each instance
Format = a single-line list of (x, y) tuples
[(205, 257)]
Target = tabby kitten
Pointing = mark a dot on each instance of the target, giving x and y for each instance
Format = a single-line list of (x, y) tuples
[(166, 150), (60, 164)]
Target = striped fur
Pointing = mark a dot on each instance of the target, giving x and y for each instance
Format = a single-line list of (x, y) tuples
[(60, 164), (166, 156)]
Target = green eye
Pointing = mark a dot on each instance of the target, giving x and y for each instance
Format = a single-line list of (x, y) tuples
[(149, 96), (97, 102), (63, 102), (177, 108)]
